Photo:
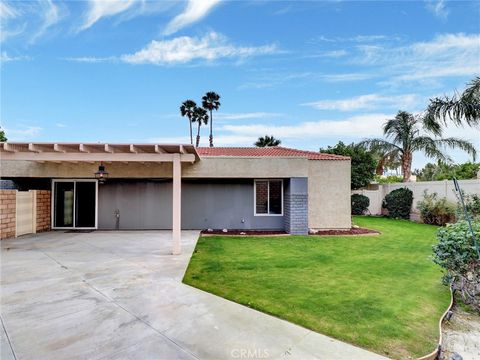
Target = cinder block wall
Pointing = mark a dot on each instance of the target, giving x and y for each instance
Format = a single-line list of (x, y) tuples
[(43, 210), (8, 203)]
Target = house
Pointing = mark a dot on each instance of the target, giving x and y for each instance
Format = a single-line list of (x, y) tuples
[(174, 186)]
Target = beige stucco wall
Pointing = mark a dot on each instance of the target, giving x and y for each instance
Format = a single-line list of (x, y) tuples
[(328, 181), (217, 167), (329, 195)]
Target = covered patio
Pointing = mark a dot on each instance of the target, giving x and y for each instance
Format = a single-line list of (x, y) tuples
[(109, 154)]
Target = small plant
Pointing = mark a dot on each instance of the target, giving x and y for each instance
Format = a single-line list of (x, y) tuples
[(436, 211), (455, 252), (472, 203), (399, 203), (360, 204), (388, 179)]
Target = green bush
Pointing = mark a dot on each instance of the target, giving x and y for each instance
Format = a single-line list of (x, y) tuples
[(472, 203), (388, 179), (399, 203), (360, 204), (436, 211), (456, 253)]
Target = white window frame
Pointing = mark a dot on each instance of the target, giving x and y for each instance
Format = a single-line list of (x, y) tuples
[(268, 197), (52, 204)]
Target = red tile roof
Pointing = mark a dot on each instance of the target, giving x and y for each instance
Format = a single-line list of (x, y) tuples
[(273, 151)]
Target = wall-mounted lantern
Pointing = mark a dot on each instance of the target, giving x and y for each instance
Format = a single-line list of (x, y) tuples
[(101, 175)]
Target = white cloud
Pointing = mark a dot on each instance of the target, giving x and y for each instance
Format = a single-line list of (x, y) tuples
[(329, 54), (247, 116), (184, 49), (355, 39), (98, 9), (219, 140), (437, 8), (30, 19), (4, 57), (346, 77), (51, 15), (22, 133), (7, 11), (194, 11), (446, 55), (362, 102), (359, 126), (90, 59)]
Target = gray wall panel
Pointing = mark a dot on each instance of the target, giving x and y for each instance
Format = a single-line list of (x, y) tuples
[(213, 204)]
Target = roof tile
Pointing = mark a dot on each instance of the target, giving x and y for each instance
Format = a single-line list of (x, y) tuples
[(272, 151)]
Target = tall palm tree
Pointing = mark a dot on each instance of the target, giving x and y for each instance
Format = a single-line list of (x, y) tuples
[(210, 102), (199, 116), (186, 109), (458, 108), (264, 141), (403, 138)]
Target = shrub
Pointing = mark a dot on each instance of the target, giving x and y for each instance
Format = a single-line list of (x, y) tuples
[(436, 211), (472, 203), (388, 179), (360, 204), (456, 253), (399, 203)]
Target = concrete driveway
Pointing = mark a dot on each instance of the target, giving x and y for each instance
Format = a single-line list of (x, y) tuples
[(118, 295)]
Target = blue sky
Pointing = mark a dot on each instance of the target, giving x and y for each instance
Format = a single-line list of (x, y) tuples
[(310, 73)]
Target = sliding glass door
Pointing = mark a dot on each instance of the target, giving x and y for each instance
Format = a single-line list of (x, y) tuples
[(74, 204)]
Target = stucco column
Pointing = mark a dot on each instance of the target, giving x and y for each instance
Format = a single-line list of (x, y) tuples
[(176, 206)]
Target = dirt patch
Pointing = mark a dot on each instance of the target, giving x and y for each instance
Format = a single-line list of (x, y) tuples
[(352, 231), (461, 335)]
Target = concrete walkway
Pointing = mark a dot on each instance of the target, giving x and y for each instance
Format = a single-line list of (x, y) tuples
[(118, 295)]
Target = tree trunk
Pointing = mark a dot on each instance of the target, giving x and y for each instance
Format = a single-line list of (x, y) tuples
[(210, 138), (198, 136), (380, 167), (407, 166), (191, 134)]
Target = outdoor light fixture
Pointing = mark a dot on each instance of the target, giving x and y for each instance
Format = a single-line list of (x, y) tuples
[(101, 175)]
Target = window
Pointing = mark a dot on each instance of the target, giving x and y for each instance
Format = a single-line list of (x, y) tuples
[(269, 197)]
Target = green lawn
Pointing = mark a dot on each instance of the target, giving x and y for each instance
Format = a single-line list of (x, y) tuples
[(380, 292)]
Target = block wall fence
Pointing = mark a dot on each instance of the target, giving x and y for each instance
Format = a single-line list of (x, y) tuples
[(444, 188)]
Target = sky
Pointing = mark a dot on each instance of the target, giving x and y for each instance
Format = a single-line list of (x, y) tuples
[(311, 73)]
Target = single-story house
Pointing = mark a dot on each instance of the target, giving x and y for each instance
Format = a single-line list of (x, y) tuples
[(174, 186)]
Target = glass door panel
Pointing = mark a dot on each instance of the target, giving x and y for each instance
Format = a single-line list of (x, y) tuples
[(63, 204), (85, 204)]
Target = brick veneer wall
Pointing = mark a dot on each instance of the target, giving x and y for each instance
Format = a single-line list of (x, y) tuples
[(43, 210), (8, 203)]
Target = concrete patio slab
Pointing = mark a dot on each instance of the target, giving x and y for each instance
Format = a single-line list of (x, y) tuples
[(119, 295)]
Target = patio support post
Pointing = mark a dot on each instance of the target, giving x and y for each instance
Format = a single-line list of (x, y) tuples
[(177, 201)]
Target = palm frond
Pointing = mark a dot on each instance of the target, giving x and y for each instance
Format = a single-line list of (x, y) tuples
[(458, 108), (456, 143)]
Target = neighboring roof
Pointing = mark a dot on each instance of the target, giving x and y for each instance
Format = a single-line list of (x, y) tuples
[(271, 151)]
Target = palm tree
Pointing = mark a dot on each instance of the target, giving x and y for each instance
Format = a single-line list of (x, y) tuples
[(199, 116), (264, 141), (187, 108), (403, 138), (210, 102), (458, 108)]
